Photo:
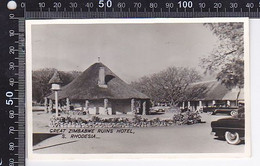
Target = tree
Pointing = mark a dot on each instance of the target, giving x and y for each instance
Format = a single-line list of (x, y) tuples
[(196, 92), (232, 74), (168, 85), (40, 86), (227, 60), (40, 82)]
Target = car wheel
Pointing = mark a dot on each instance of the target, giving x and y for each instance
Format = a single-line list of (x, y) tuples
[(234, 113), (232, 138)]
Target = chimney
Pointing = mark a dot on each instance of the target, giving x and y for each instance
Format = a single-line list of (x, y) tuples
[(101, 78)]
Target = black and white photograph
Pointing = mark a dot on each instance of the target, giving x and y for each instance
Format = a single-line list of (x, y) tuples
[(138, 86)]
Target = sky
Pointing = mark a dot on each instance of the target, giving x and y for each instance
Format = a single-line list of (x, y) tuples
[(129, 50)]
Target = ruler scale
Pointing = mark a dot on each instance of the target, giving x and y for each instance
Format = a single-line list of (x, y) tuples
[(12, 114), (79, 15), (12, 48), (21, 93)]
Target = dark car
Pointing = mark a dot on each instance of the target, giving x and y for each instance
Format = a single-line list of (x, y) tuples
[(226, 110), (230, 129), (220, 108)]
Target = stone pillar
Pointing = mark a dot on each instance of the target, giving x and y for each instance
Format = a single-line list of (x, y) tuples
[(106, 105), (144, 108), (45, 105), (97, 110), (50, 106), (183, 105), (59, 106), (188, 104), (133, 106), (193, 108), (56, 103), (86, 104), (228, 103), (67, 104), (200, 105), (113, 108)]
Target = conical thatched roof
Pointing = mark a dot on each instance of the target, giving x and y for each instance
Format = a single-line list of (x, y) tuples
[(55, 79), (85, 87)]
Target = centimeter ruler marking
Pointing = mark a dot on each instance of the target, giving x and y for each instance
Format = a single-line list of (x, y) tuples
[(83, 14), (141, 8), (21, 93)]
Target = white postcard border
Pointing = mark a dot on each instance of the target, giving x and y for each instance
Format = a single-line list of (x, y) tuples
[(29, 124)]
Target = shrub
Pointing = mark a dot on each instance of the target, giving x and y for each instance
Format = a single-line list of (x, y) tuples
[(187, 117)]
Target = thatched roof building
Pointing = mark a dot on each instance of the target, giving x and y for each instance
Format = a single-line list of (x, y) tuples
[(209, 93), (99, 83), (86, 86), (208, 90)]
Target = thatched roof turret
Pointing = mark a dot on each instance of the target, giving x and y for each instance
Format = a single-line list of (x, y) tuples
[(86, 87), (55, 79)]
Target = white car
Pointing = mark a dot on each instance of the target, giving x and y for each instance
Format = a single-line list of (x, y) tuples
[(159, 109)]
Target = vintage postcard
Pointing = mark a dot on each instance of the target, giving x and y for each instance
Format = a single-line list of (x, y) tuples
[(137, 88)]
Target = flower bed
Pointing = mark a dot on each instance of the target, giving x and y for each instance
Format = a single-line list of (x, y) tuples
[(124, 122)]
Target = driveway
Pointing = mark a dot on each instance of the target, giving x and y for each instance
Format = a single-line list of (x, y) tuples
[(175, 139)]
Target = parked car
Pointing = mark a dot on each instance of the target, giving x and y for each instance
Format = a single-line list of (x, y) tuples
[(218, 108), (231, 129), (227, 110), (159, 109)]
